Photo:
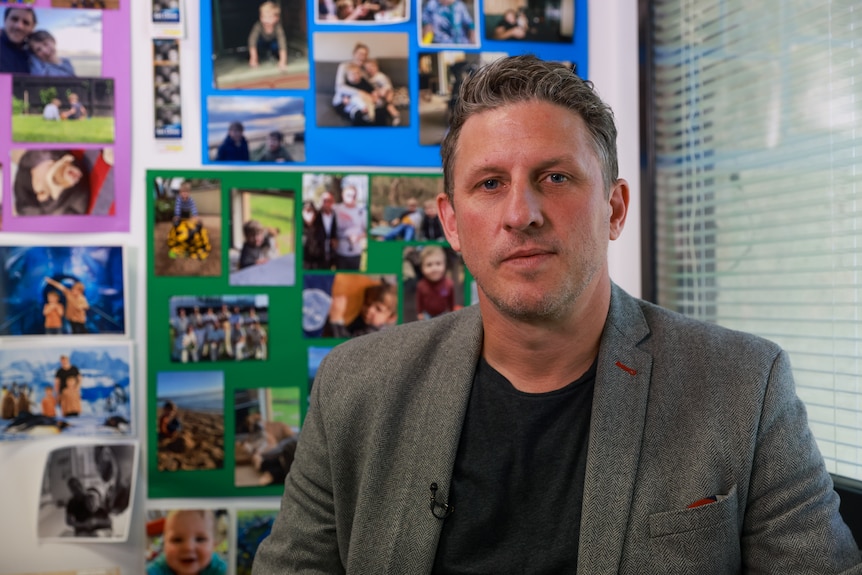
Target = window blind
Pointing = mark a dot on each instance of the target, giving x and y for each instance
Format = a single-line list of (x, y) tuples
[(757, 113)]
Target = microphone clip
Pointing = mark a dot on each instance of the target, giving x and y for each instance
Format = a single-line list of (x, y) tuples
[(439, 510)]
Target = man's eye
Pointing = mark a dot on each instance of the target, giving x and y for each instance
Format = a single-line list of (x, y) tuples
[(557, 178), (490, 184)]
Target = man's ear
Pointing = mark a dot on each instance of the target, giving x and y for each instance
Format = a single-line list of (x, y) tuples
[(447, 217), (619, 207)]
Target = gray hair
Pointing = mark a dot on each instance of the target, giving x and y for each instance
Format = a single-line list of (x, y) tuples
[(526, 78)]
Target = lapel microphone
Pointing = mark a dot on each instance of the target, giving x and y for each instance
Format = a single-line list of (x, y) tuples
[(439, 510)]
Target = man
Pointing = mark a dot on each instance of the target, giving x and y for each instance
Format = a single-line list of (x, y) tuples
[(18, 23), (561, 425), (273, 150), (67, 384), (321, 243)]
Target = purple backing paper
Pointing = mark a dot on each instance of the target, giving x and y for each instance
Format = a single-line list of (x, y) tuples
[(116, 64)]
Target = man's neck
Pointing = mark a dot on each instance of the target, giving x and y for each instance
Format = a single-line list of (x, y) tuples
[(543, 356)]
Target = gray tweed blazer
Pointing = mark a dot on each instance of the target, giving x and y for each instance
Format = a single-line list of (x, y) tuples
[(682, 410)]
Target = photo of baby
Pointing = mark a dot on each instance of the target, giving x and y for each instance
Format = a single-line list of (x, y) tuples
[(59, 182), (187, 542)]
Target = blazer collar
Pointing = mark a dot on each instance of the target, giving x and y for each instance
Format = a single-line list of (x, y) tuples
[(616, 432)]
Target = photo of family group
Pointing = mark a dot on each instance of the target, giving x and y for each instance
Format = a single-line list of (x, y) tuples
[(86, 492), (75, 390), (267, 428), (219, 328), (361, 79), (334, 221), (61, 290), (189, 425), (405, 208), (167, 532), (262, 248)]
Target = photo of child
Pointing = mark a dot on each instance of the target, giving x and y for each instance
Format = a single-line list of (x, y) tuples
[(86, 109), (187, 542), (239, 128), (261, 44), (263, 250), (90, 282), (59, 182), (433, 281), (267, 428), (189, 425), (347, 305), (188, 226)]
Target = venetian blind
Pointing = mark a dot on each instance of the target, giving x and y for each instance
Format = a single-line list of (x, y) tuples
[(758, 143)]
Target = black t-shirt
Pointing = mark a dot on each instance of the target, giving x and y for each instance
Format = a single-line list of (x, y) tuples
[(64, 374), (518, 482)]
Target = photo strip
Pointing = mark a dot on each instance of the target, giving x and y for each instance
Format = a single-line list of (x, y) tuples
[(167, 101)]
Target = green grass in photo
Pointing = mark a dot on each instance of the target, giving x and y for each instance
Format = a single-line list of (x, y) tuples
[(36, 129), (276, 212), (285, 406)]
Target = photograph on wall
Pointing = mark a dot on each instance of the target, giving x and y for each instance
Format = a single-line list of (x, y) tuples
[(262, 240), (48, 42), (166, 11), (88, 283), (189, 428), (170, 532), (448, 23), (211, 328), (62, 110), (187, 232), (315, 356), (260, 129), (167, 102), (362, 79), (537, 21), (69, 389), (63, 182), (86, 493), (348, 194), (345, 305), (98, 4), (361, 12), (267, 423), (440, 77), (432, 282), (252, 527), (260, 45), (405, 208)]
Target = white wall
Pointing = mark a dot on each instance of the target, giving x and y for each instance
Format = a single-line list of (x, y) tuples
[(613, 68)]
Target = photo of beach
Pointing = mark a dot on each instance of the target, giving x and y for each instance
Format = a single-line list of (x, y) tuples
[(190, 420)]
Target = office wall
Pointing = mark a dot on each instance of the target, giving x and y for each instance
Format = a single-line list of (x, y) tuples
[(613, 67)]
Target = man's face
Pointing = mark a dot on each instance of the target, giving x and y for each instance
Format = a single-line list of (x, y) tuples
[(273, 143), (531, 217), (327, 203), (18, 25), (235, 134), (348, 196)]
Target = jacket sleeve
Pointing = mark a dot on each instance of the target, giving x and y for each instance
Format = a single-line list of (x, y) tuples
[(792, 524), (303, 537)]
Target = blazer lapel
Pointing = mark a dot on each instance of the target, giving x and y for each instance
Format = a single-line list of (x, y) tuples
[(616, 431), (429, 450)]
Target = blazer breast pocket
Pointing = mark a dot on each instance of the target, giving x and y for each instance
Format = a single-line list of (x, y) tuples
[(702, 540)]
